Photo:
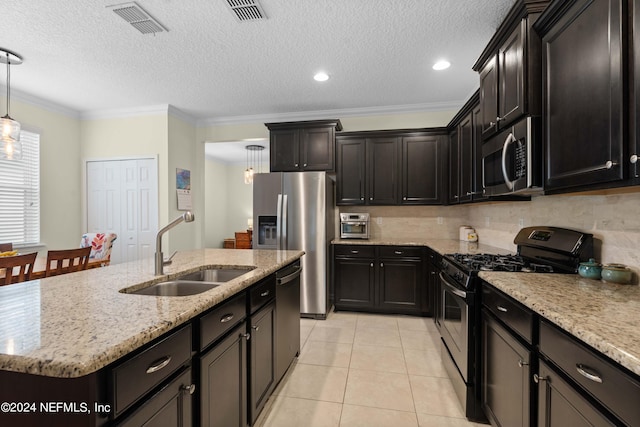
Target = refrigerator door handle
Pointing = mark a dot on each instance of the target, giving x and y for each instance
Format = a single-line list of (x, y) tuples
[(279, 222), (284, 236)]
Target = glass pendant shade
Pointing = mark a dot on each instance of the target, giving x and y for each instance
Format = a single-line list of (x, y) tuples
[(10, 150), (10, 129), (248, 176), (10, 146)]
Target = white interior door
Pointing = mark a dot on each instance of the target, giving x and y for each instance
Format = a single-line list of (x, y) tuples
[(122, 197)]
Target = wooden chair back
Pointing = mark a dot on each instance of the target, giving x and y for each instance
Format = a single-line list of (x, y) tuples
[(6, 247), (23, 262), (66, 261)]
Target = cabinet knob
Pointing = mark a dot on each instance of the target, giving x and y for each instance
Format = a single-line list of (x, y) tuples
[(456, 197), (370, 198), (255, 328), (610, 164), (305, 165), (499, 119), (492, 124), (537, 378), (522, 363), (191, 388), (381, 264), (362, 198), (633, 159), (245, 336), (371, 265), (404, 198), (296, 165)]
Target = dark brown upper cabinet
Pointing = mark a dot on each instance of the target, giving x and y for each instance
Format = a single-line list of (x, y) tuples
[(302, 146), (509, 70), (390, 167), (465, 157), (584, 94)]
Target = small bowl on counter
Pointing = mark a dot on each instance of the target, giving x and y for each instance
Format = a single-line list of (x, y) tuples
[(617, 273), (590, 269)]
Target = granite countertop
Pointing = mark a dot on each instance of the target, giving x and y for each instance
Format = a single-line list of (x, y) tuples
[(603, 315), (442, 246), (75, 324)]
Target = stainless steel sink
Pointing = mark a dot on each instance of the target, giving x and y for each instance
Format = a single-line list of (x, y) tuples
[(215, 274), (191, 283), (176, 288)]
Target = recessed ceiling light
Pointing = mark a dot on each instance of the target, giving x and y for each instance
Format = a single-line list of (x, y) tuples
[(321, 77), (441, 65)]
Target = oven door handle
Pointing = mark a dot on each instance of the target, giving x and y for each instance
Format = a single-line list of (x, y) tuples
[(508, 141), (451, 288)]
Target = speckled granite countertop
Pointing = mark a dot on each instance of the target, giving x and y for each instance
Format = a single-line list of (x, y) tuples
[(603, 315), (442, 246), (75, 324)]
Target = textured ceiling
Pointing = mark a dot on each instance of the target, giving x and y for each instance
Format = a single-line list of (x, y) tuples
[(379, 53)]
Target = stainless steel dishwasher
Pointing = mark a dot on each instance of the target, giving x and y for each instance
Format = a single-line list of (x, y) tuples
[(287, 317)]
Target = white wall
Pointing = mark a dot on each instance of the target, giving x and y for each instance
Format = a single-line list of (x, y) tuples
[(215, 203)]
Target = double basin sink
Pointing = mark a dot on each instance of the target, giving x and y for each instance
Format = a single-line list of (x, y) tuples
[(192, 283)]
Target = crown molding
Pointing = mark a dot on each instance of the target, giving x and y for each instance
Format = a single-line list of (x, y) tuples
[(120, 113), (323, 114), (27, 98)]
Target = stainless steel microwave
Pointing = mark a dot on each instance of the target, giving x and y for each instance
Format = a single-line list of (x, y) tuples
[(354, 226), (512, 160)]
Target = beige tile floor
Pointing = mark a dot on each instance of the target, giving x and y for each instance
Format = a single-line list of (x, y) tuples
[(366, 370)]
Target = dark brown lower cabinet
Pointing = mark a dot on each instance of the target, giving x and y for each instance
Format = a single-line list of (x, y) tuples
[(559, 404), (399, 282), (169, 407), (262, 358), (506, 376), (354, 283), (223, 382)]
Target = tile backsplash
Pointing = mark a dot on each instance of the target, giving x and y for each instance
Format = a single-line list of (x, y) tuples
[(613, 217)]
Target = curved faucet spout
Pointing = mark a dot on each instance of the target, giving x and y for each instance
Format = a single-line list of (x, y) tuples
[(159, 257)]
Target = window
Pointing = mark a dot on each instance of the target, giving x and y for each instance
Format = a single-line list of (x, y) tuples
[(20, 194)]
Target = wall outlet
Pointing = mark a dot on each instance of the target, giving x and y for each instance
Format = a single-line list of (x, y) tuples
[(521, 222), (379, 220), (440, 220)]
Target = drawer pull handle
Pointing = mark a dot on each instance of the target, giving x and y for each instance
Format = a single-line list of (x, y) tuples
[(537, 378), (226, 318), (502, 309), (191, 388), (588, 373), (255, 328), (397, 252), (264, 294), (158, 364), (355, 252), (522, 363)]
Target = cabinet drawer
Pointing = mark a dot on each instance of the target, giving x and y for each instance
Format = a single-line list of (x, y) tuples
[(605, 381), (262, 293), (355, 251), (141, 373), (513, 314), (217, 322), (399, 252)]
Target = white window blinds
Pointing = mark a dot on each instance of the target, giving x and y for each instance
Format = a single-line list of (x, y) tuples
[(20, 194)]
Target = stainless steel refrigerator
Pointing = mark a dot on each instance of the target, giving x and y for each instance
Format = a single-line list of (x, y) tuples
[(295, 210)]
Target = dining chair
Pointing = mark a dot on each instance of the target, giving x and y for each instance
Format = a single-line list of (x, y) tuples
[(100, 244), (6, 247), (66, 261), (25, 264)]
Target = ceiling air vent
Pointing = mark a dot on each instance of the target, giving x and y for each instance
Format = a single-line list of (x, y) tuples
[(138, 18), (246, 10)]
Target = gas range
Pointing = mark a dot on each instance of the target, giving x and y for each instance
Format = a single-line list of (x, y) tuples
[(492, 262)]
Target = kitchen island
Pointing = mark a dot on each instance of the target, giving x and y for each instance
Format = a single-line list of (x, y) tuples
[(74, 327)]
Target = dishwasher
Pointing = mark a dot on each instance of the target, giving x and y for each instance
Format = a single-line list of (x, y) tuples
[(287, 317)]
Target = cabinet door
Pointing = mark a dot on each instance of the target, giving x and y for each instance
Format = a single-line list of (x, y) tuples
[(317, 146), (350, 180), (634, 149), (223, 382), (454, 166), (354, 283), (511, 77), (421, 170), (169, 407), (400, 283), (262, 356), (561, 405), (506, 373), (285, 150), (465, 157), (489, 97), (478, 188), (382, 171), (583, 95)]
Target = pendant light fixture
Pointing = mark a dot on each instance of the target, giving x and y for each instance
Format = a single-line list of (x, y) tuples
[(10, 146), (254, 153)]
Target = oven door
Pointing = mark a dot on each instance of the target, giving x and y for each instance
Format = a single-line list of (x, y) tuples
[(511, 161), (354, 230), (454, 322)]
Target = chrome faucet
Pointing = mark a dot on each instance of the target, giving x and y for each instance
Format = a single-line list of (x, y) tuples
[(160, 262)]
